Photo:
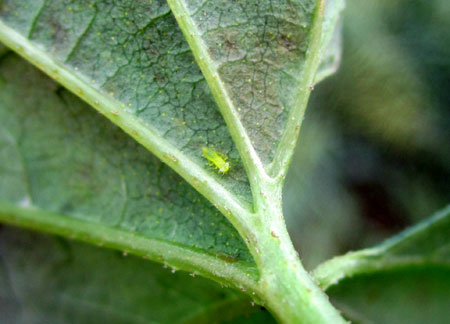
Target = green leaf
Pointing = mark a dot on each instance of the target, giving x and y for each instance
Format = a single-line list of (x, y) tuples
[(405, 279), (259, 60), (69, 171), (131, 62), (426, 244), (45, 279)]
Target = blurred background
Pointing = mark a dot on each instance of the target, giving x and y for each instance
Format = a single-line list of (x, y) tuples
[(374, 151)]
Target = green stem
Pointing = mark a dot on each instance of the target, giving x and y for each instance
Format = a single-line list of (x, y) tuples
[(289, 291), (285, 286)]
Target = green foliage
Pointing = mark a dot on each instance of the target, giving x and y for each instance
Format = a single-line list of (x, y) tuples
[(410, 272), (48, 279), (173, 79), (424, 245), (61, 158)]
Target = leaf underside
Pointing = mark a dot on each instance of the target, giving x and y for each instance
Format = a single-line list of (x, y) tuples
[(59, 157), (258, 50), (134, 53), (45, 279), (61, 162), (69, 171)]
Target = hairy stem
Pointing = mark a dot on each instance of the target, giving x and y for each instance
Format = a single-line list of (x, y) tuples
[(290, 293), (285, 286)]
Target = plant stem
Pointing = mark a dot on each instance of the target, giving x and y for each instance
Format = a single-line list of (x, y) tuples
[(286, 287), (290, 293)]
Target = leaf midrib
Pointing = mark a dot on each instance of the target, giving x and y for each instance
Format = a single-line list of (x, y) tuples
[(227, 202), (239, 274), (250, 158), (277, 169)]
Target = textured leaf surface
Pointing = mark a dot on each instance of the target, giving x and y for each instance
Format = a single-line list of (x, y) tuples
[(130, 61), (66, 169), (44, 279), (132, 54), (257, 57), (405, 279)]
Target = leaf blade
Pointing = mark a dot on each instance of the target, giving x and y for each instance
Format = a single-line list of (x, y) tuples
[(66, 170), (237, 71), (163, 133), (53, 280), (224, 269)]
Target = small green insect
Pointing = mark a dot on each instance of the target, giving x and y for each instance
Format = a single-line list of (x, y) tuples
[(216, 159)]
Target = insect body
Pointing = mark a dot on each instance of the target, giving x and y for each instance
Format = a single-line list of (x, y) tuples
[(216, 159)]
